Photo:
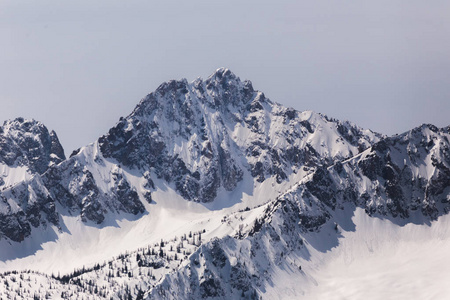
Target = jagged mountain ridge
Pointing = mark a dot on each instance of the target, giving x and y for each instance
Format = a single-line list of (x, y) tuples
[(201, 137), (398, 176), (27, 145), (194, 134), (404, 178), (243, 265), (27, 148), (336, 170)]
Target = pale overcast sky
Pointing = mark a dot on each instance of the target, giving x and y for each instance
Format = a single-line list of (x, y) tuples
[(79, 65)]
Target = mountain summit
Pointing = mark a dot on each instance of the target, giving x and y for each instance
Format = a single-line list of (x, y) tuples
[(206, 135), (27, 146)]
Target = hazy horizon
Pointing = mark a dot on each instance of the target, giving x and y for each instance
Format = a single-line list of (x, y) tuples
[(78, 67)]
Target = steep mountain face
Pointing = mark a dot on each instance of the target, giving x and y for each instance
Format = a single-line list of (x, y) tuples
[(206, 135), (409, 172), (405, 176), (27, 148)]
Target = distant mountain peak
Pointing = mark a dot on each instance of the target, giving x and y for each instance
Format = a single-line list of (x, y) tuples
[(222, 74), (28, 143)]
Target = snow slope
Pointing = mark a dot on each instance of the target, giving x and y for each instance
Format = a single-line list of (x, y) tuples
[(381, 260), (378, 259)]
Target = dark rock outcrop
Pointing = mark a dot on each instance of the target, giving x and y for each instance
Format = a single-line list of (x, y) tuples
[(28, 143)]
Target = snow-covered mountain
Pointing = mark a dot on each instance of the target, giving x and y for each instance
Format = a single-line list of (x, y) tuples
[(404, 179), (27, 149), (207, 135), (200, 138), (209, 190)]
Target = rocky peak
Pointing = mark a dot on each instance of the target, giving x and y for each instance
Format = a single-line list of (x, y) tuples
[(203, 136), (223, 78), (56, 149), (28, 143), (411, 171), (225, 88), (222, 91)]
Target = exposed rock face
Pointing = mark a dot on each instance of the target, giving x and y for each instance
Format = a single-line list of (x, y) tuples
[(409, 172), (74, 186), (28, 143), (396, 177), (26, 149), (23, 206), (205, 135)]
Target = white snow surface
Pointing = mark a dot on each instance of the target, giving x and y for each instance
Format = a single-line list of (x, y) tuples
[(379, 260), (13, 175), (80, 244)]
